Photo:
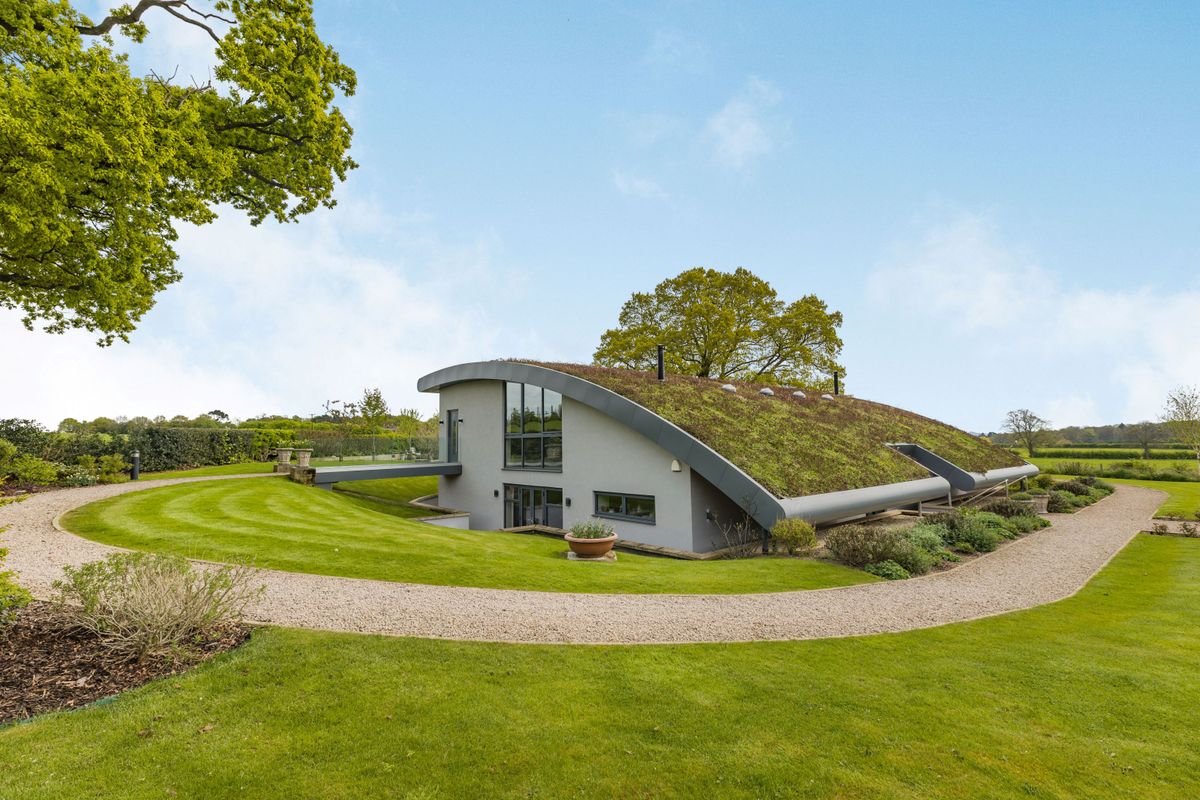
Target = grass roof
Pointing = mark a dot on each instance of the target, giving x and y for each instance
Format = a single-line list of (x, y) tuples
[(796, 447)]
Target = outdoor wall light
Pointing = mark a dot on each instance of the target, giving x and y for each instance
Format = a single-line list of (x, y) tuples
[(676, 466), (708, 515), (568, 502), (495, 492)]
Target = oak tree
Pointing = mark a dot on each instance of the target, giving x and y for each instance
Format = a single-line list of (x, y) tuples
[(98, 166), (1027, 428), (725, 325)]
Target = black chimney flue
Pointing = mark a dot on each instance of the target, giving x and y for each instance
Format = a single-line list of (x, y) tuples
[(662, 367), (836, 385)]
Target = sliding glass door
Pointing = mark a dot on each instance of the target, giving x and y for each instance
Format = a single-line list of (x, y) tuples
[(532, 505)]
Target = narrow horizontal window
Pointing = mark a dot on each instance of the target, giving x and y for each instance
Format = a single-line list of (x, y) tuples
[(630, 507)]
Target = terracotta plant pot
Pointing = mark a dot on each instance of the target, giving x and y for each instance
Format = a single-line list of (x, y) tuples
[(591, 548)]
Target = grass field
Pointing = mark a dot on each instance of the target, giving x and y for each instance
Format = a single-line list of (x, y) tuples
[(1052, 462), (1094, 696), (282, 525), (396, 491), (248, 468)]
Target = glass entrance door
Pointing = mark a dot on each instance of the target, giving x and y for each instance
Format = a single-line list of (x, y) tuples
[(452, 435), (532, 505)]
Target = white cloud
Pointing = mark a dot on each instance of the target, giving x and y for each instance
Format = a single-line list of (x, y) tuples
[(634, 186), (279, 319), (743, 130), (996, 328)]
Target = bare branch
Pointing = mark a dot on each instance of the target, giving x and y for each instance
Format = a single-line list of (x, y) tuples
[(134, 16)]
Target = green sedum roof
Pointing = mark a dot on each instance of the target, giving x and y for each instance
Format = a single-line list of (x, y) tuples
[(796, 447)]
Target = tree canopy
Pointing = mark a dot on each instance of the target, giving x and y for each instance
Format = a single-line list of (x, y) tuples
[(1027, 428), (726, 325), (1182, 416), (97, 166)]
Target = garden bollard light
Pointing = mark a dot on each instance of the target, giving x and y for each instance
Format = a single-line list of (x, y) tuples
[(136, 470)]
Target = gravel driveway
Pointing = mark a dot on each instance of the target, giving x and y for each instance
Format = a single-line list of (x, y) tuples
[(1042, 567)]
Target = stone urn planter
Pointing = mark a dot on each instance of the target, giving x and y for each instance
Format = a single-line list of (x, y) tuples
[(1037, 503), (591, 548), (302, 456), (283, 455)]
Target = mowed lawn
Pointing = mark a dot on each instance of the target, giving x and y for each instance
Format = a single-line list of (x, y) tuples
[(282, 525), (248, 468), (1095, 696), (1184, 500), (395, 491)]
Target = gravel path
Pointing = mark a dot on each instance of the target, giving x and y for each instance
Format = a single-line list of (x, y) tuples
[(1040, 568)]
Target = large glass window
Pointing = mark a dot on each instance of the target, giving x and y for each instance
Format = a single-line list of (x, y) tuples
[(629, 507), (532, 505), (532, 427)]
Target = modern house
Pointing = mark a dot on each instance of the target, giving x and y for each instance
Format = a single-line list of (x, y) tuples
[(672, 461)]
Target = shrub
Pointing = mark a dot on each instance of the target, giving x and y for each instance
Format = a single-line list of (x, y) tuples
[(141, 604), (978, 534), (28, 436), (12, 596), (988, 518), (8, 451), (930, 537), (1074, 487), (1027, 523), (1103, 486), (76, 476), (30, 470), (1188, 529), (1060, 503), (591, 529), (911, 556), (794, 536), (1005, 507), (1043, 481), (859, 545), (964, 547), (114, 469), (888, 569), (1160, 529)]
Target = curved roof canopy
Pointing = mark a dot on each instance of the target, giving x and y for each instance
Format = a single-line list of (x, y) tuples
[(774, 455)]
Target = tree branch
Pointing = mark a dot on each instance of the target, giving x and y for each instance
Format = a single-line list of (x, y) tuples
[(135, 16)]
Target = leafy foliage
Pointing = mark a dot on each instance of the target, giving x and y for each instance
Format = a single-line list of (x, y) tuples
[(1182, 416), (725, 325), (794, 536), (13, 597), (99, 165), (888, 570), (860, 545), (797, 446), (591, 529)]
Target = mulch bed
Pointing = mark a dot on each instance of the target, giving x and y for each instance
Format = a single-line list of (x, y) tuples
[(46, 666)]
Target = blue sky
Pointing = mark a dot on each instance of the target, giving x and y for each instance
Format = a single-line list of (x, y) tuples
[(1002, 200)]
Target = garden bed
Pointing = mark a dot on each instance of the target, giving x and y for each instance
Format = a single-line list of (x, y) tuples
[(46, 666)]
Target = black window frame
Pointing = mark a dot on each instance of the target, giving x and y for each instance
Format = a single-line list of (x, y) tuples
[(526, 437), (549, 509), (624, 517)]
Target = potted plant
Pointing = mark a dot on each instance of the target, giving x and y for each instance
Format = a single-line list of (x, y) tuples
[(591, 539)]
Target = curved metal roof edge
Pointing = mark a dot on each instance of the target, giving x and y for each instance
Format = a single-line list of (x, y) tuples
[(763, 506)]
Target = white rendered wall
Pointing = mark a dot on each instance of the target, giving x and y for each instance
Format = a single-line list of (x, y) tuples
[(599, 454)]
